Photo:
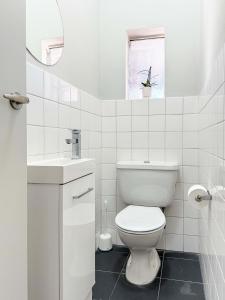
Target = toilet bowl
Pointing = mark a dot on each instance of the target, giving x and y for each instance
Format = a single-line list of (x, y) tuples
[(145, 188), (140, 229)]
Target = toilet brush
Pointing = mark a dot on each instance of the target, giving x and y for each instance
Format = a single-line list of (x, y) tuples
[(105, 239)]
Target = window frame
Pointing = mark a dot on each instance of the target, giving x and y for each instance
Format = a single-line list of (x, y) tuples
[(137, 37)]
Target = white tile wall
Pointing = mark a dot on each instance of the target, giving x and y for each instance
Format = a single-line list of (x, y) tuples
[(54, 110), (212, 175), (154, 130)]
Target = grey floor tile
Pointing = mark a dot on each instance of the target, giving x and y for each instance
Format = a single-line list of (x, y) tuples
[(183, 255), (181, 269), (104, 285), (112, 261), (124, 290), (181, 277), (121, 249), (180, 290)]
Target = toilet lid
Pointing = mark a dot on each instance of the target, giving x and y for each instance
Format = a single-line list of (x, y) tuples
[(140, 218)]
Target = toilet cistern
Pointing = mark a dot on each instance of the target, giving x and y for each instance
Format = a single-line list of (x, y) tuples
[(76, 143)]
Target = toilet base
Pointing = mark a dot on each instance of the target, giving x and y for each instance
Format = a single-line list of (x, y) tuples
[(142, 266)]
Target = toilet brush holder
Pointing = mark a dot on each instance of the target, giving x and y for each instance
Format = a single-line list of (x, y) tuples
[(105, 242)]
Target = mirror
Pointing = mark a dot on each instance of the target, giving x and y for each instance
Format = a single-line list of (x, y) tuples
[(45, 40)]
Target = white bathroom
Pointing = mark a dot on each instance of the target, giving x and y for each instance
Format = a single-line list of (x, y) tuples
[(112, 150)]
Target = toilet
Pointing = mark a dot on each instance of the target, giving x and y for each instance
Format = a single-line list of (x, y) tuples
[(145, 188)]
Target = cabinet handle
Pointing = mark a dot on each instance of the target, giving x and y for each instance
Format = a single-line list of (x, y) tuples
[(84, 193)]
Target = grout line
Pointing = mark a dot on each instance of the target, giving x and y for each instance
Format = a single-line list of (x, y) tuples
[(211, 97), (182, 158), (107, 272), (162, 263), (114, 288), (120, 275), (181, 280), (178, 258)]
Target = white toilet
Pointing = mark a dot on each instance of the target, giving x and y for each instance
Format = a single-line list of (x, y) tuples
[(146, 188)]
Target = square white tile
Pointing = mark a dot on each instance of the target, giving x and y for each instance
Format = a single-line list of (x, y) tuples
[(175, 209), (123, 140), (64, 92), (35, 140), (108, 139), (140, 107), (108, 108), (173, 123), (124, 154), (190, 157), (139, 140), (190, 105), (191, 226), (51, 140), (108, 156), (174, 242), (123, 123), (75, 97), (191, 244), (51, 113), (51, 87), (123, 107), (75, 122), (139, 154), (108, 171), (157, 140), (139, 123), (174, 225), (190, 122), (35, 111), (64, 116), (157, 123), (157, 106), (108, 124), (174, 105), (173, 140), (190, 139), (35, 80)]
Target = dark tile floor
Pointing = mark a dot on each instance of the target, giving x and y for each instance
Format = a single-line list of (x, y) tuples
[(178, 279)]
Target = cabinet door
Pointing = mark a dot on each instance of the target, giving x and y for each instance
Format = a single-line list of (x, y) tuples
[(78, 238)]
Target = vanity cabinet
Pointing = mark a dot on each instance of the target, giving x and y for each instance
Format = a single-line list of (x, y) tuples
[(61, 239)]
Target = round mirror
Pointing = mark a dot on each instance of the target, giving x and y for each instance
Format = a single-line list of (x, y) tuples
[(44, 27)]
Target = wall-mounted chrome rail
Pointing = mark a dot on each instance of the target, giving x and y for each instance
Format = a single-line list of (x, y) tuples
[(200, 198)]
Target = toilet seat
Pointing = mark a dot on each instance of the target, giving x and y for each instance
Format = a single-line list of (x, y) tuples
[(140, 219)]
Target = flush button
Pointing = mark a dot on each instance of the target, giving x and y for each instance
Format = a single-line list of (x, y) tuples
[(146, 162)]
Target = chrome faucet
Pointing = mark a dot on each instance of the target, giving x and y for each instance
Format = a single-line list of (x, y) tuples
[(76, 143)]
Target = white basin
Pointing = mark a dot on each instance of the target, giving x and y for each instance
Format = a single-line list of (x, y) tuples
[(59, 171)]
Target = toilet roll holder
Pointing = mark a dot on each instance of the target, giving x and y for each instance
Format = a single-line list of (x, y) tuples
[(200, 198)]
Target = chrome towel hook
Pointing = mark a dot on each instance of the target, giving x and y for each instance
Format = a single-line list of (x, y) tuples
[(16, 100)]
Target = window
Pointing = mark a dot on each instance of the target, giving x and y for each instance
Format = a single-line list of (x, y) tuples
[(145, 52)]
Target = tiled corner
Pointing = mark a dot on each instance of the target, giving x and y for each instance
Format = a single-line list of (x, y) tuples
[(211, 169)]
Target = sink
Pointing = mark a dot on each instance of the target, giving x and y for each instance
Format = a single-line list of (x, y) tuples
[(59, 171)]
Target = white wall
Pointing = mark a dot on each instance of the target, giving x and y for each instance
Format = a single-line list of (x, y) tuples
[(79, 64), (181, 20), (212, 148), (213, 33)]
